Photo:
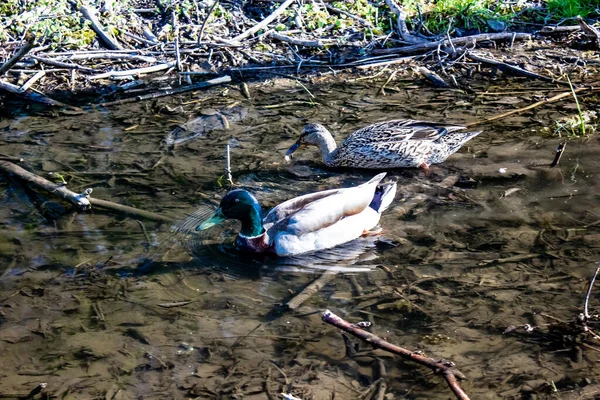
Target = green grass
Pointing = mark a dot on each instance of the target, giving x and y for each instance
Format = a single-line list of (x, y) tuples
[(559, 9)]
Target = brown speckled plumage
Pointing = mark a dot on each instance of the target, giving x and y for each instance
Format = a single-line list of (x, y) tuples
[(390, 144)]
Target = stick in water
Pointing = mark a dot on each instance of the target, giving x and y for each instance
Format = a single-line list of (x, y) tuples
[(445, 368), (228, 166)]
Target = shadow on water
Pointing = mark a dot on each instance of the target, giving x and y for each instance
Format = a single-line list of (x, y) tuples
[(95, 303)]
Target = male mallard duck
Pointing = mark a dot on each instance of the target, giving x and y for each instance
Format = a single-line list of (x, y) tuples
[(315, 221), (392, 144)]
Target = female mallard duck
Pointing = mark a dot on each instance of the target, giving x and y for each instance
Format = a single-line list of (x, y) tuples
[(307, 223), (391, 144)]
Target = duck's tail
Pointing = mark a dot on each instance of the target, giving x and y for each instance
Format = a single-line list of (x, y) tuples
[(383, 196), (450, 143)]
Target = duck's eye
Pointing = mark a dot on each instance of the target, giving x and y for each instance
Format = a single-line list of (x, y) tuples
[(236, 200)]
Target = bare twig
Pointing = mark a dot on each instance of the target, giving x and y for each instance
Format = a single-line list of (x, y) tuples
[(32, 80), (79, 200), (212, 8), (560, 149), (176, 42), (132, 72), (264, 22), (59, 64), (168, 92), (15, 58), (300, 42), (309, 290), (529, 107), (586, 314), (228, 166), (445, 368)]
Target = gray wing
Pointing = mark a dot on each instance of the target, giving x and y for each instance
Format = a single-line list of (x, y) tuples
[(400, 130), (294, 205)]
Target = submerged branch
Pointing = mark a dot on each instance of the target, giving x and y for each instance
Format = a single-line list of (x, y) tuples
[(79, 200), (445, 368)]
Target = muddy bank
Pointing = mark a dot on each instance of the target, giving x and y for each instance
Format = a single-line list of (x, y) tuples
[(143, 51)]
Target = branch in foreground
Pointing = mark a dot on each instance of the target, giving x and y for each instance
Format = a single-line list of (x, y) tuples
[(79, 200), (444, 368)]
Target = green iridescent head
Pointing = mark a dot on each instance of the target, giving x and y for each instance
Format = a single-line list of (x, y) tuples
[(241, 205)]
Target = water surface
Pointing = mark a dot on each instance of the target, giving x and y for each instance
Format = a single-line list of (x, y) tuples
[(90, 303)]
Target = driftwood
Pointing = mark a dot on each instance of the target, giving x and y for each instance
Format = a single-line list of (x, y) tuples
[(424, 47), (168, 92), (132, 72), (90, 14), (16, 57), (79, 200), (32, 96), (512, 68), (442, 367)]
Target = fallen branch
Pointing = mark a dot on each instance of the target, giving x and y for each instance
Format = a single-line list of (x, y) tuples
[(310, 290), (422, 48), (169, 92), (529, 107), (15, 58), (109, 205), (556, 30), (298, 42), (264, 22), (512, 68), (79, 200), (107, 55), (89, 13), (32, 80), (132, 72), (60, 64), (36, 97), (445, 368)]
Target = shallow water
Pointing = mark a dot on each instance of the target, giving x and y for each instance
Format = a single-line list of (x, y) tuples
[(91, 302)]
